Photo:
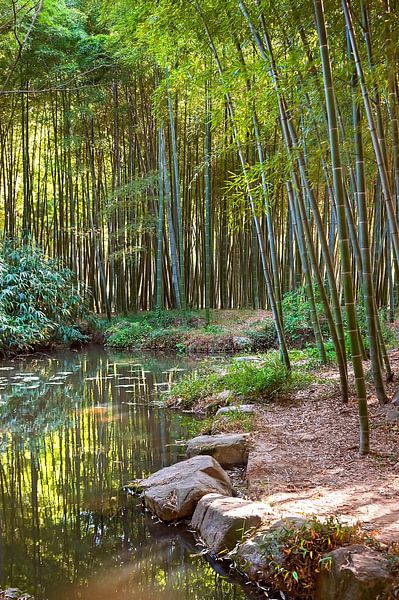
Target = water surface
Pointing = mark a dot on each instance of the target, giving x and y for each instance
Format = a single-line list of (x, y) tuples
[(75, 427)]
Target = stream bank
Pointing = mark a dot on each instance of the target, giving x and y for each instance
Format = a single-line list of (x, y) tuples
[(74, 427), (305, 557)]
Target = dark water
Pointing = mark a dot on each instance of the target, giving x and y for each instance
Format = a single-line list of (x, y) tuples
[(74, 428)]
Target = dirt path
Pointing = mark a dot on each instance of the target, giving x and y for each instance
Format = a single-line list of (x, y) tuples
[(305, 460)]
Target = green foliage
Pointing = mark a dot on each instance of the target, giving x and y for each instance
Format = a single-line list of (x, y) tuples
[(297, 552), (126, 334), (390, 338), (247, 379), (262, 335), (169, 338), (298, 327), (153, 329), (297, 321), (263, 381), (309, 358), (213, 329), (195, 386), (231, 422), (40, 302)]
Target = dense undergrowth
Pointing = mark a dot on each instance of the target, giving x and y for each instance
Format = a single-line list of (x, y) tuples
[(40, 301), (263, 380), (187, 332), (295, 553)]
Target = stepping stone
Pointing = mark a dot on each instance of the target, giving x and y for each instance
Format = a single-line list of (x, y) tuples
[(173, 492), (228, 449), (222, 522)]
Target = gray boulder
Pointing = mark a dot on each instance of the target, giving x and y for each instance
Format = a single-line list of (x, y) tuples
[(217, 400), (173, 492), (248, 359), (356, 573), (242, 408), (227, 449), (222, 521)]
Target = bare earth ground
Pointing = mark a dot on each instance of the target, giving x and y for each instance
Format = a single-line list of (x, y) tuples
[(305, 459)]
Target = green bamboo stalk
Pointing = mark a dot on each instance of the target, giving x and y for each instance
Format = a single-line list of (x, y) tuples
[(177, 195), (208, 196), (158, 301), (378, 148), (273, 305), (172, 239), (300, 237), (342, 228)]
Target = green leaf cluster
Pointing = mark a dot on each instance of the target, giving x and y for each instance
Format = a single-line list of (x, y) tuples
[(40, 301)]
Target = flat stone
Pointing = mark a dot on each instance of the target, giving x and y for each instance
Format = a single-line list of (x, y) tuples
[(248, 359), (241, 408), (356, 573), (214, 402), (227, 449), (222, 522), (173, 492)]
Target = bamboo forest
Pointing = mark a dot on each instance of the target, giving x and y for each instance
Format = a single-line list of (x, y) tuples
[(199, 299)]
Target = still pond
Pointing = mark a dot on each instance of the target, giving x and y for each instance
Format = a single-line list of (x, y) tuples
[(75, 427)]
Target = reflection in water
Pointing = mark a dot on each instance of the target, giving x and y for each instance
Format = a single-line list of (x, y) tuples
[(74, 428)]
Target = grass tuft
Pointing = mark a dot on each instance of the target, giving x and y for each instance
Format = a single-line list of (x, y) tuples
[(245, 380)]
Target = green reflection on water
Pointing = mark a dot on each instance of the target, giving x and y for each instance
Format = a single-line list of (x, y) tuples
[(74, 428)]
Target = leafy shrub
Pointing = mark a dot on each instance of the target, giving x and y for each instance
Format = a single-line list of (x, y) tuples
[(40, 302), (231, 422), (166, 339), (388, 334), (298, 325), (127, 334), (194, 386), (213, 329), (263, 335), (153, 329), (297, 321), (297, 553), (309, 357)]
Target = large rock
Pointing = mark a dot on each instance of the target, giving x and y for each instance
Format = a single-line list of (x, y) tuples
[(356, 573), (227, 449), (242, 408), (173, 492), (222, 522)]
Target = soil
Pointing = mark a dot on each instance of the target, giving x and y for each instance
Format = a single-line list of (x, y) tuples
[(305, 459)]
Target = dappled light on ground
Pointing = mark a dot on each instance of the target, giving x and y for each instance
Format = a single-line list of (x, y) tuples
[(306, 461)]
